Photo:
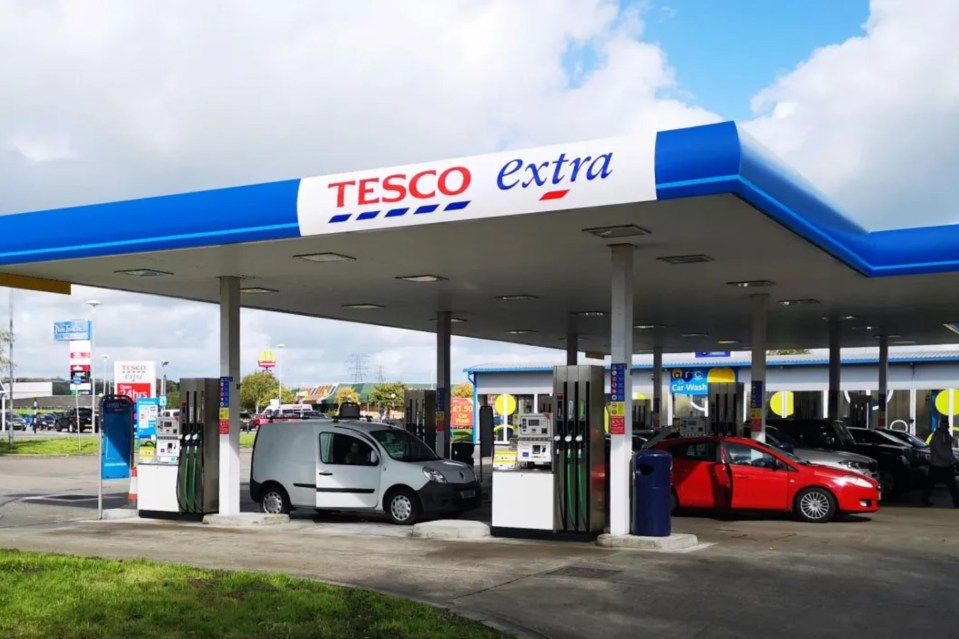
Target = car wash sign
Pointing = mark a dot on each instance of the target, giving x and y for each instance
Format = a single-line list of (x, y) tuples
[(689, 381), (562, 177)]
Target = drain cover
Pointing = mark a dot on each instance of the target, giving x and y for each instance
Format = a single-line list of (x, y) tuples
[(583, 572), (63, 498)]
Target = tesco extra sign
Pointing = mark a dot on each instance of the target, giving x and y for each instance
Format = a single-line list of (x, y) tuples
[(136, 380), (396, 187)]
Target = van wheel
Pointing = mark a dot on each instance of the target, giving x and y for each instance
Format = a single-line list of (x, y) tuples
[(275, 501), (816, 505), (403, 506)]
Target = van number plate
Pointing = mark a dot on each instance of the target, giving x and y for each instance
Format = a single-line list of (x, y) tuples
[(466, 494)]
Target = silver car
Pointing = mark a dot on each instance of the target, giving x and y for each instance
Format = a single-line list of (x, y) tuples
[(833, 458)]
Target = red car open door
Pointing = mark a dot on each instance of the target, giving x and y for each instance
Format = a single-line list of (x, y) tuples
[(699, 476), (758, 480)]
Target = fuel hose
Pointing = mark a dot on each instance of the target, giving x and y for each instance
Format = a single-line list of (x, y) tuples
[(569, 492), (185, 474), (582, 491), (200, 486), (193, 495)]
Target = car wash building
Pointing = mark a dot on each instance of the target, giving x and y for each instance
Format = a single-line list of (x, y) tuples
[(797, 385)]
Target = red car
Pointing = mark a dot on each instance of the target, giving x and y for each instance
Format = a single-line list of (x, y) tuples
[(742, 474)]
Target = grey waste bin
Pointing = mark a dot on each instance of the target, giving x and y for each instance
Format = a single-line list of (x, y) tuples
[(652, 493), (463, 452)]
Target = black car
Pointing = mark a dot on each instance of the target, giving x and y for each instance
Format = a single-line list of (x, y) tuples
[(46, 421), (69, 420), (899, 466), (921, 447)]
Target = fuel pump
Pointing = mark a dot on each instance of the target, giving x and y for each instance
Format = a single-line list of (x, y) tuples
[(726, 409), (198, 466), (859, 405), (179, 470), (420, 416), (551, 479), (578, 450)]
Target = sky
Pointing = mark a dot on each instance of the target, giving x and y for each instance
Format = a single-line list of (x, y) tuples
[(107, 100)]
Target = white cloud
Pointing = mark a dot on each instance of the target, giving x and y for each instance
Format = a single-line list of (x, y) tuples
[(874, 121), (151, 98)]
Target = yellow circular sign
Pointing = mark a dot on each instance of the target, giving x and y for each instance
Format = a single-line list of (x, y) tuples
[(721, 376), (942, 401), (782, 403), (505, 404)]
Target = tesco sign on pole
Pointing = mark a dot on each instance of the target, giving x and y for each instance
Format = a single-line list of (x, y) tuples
[(136, 380)]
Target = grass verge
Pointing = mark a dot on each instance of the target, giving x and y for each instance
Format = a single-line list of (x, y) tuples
[(58, 446), (246, 440), (44, 595)]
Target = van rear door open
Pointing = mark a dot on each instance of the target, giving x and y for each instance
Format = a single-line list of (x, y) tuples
[(347, 472)]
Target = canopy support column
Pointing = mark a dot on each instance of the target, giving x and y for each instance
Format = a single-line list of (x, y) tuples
[(230, 368), (621, 342), (757, 395), (444, 329)]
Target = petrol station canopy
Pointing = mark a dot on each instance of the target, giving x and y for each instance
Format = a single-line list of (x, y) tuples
[(519, 241)]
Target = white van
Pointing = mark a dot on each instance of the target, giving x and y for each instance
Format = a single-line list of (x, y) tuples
[(359, 466)]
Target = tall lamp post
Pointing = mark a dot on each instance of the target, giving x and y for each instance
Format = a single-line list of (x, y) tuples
[(279, 375), (106, 384), (93, 377), (163, 366), (93, 409)]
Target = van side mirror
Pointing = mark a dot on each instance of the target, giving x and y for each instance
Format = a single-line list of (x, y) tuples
[(374, 459)]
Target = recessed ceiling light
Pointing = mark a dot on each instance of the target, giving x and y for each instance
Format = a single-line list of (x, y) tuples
[(144, 272), (727, 342), (325, 257), (799, 302), (647, 327), (685, 259), (454, 320), (421, 278), (752, 283), (954, 327), (863, 328), (590, 313), (516, 298), (609, 232), (890, 336), (694, 335), (363, 307), (520, 331), (903, 342), (257, 290), (844, 318)]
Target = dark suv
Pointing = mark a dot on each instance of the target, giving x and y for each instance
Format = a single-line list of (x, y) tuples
[(899, 468), (68, 421)]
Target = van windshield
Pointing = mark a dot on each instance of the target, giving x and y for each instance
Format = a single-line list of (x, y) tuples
[(402, 446)]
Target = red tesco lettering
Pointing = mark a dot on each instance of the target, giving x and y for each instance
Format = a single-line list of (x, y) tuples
[(396, 187)]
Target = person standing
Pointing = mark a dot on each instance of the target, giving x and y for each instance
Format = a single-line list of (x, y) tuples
[(942, 465)]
